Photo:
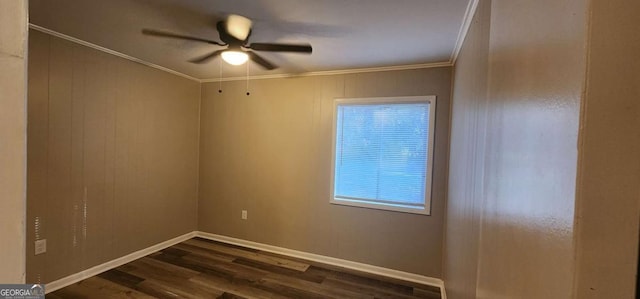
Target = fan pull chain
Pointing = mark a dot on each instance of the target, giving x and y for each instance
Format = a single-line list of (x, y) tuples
[(220, 82), (248, 93)]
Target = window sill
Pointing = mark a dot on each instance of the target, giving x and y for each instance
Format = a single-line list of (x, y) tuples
[(382, 206)]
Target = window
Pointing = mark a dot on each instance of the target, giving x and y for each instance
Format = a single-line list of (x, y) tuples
[(383, 153)]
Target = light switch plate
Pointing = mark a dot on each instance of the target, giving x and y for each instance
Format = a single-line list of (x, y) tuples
[(41, 246), (244, 214)]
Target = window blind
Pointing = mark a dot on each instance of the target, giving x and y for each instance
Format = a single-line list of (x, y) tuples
[(381, 152)]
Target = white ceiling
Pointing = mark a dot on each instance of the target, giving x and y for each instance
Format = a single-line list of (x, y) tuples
[(345, 34)]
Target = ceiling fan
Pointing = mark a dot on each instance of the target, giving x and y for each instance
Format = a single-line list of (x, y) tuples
[(234, 33)]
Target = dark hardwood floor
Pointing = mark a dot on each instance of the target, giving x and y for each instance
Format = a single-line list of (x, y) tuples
[(200, 268)]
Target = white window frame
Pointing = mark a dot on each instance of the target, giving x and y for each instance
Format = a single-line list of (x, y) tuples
[(424, 210)]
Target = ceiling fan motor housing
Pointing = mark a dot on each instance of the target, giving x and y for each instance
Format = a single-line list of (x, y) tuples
[(238, 26)]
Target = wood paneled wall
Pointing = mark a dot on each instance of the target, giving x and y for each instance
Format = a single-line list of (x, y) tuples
[(608, 201), (514, 151), (469, 111), (112, 157), (270, 154)]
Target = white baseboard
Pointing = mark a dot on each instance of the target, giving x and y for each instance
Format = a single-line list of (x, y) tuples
[(73, 278), (330, 261)]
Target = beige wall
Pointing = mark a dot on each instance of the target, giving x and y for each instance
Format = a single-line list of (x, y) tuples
[(523, 177), (112, 157), (467, 158), (270, 153), (608, 203), (13, 99), (537, 66)]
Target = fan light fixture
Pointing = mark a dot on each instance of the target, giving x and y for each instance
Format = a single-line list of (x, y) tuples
[(235, 57)]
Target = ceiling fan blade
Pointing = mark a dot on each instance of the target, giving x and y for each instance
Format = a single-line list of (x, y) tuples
[(261, 61), (205, 58), (299, 48), (179, 36)]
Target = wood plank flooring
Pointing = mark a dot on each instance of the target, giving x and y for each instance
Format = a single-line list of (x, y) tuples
[(200, 268)]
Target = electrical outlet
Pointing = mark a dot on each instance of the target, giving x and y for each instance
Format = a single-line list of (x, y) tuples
[(41, 246), (244, 214)]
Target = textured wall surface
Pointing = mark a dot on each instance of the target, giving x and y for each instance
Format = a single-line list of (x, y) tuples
[(467, 158), (608, 204), (112, 157), (514, 156), (270, 154), (536, 75), (13, 102)]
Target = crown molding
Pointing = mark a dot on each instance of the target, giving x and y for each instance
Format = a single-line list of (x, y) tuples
[(109, 51), (335, 72), (258, 77), (464, 29)]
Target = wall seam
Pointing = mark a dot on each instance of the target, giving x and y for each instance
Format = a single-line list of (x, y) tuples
[(197, 216), (581, 127), (23, 225), (446, 183), (485, 146)]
